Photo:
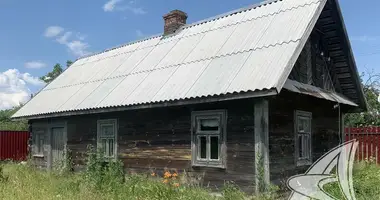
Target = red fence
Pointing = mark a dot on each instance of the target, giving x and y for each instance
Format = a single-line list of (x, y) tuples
[(14, 145), (369, 142)]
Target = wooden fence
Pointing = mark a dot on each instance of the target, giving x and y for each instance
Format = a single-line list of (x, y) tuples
[(14, 145), (369, 142)]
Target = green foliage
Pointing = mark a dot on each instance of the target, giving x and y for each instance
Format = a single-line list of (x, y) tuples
[(7, 124), (102, 174), (232, 192), (100, 181), (366, 182), (57, 70), (372, 116)]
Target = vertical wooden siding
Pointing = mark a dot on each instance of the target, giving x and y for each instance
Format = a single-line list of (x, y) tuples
[(369, 142), (14, 145)]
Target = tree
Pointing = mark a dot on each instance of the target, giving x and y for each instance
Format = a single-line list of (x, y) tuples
[(69, 63), (57, 70), (7, 124), (371, 88)]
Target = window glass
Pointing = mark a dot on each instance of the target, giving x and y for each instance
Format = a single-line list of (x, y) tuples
[(300, 146), (209, 124), (214, 143), (203, 147), (110, 148), (107, 130)]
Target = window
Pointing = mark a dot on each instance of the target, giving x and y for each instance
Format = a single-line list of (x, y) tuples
[(38, 143), (208, 138), (303, 137), (107, 133)]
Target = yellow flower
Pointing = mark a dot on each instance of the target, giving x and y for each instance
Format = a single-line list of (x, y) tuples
[(153, 174), (174, 174), (165, 181), (176, 184)]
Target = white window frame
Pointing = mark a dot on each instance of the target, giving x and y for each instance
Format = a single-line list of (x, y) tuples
[(306, 159), (196, 133), (100, 137)]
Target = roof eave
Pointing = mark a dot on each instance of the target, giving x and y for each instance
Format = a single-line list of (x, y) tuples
[(208, 99), (363, 105)]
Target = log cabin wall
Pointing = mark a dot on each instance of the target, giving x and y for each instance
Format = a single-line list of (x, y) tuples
[(324, 127), (314, 67), (160, 138)]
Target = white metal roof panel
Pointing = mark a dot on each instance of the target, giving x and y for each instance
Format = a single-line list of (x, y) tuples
[(246, 50)]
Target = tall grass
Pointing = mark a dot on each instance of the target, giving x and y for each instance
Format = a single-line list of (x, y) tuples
[(366, 182), (102, 180)]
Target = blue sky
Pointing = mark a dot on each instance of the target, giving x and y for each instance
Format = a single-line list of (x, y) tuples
[(37, 34)]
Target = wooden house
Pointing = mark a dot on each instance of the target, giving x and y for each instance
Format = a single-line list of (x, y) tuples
[(263, 87)]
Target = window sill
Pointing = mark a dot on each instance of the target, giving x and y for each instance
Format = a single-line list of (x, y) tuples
[(220, 167), (38, 156), (301, 163)]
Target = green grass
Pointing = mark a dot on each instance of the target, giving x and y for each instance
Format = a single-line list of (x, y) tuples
[(366, 182), (25, 182), (100, 182)]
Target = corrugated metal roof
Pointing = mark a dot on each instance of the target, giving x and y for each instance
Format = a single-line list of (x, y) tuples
[(247, 50), (302, 88)]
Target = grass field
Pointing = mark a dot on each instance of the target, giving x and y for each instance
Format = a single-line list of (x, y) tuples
[(97, 182)]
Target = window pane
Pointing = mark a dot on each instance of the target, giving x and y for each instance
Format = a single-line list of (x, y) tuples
[(300, 122), (202, 147), (300, 146), (110, 148), (307, 146), (104, 146), (209, 124), (40, 145), (214, 143), (107, 130)]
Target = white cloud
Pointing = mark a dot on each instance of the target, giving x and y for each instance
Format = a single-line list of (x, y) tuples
[(74, 41), (53, 31), (115, 5), (14, 87), (35, 65), (64, 38), (110, 5), (78, 48)]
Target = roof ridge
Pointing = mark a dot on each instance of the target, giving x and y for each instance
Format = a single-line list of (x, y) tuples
[(226, 14)]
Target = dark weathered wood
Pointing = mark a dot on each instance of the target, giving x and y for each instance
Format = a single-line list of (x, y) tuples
[(325, 132), (262, 179)]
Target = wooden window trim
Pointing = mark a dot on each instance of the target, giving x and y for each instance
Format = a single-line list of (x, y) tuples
[(298, 160), (222, 135), (114, 123)]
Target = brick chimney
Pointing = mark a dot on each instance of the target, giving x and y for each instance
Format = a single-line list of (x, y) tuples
[(173, 21)]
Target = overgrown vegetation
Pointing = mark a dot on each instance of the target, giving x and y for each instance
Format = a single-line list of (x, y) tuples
[(371, 88), (6, 124), (105, 180), (366, 181)]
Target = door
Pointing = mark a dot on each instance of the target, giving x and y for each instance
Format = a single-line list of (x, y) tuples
[(57, 146)]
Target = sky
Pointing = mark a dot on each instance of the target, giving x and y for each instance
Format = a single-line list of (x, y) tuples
[(35, 35)]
